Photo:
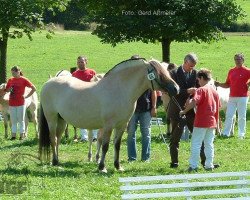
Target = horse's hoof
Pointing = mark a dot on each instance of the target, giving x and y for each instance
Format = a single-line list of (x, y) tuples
[(103, 171), (120, 169)]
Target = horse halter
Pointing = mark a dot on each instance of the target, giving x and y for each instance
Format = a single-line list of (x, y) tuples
[(153, 77)]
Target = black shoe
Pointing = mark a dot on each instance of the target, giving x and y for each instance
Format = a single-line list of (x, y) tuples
[(190, 169), (216, 166), (94, 139), (13, 138), (174, 165)]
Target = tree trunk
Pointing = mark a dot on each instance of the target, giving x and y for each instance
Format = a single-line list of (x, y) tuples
[(3, 56), (166, 49)]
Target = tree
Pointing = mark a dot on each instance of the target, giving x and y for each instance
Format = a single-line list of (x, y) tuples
[(162, 21), (21, 17), (73, 18)]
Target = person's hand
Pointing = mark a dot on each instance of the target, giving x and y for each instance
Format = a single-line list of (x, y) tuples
[(182, 112), (153, 112), (188, 101), (216, 83), (191, 91)]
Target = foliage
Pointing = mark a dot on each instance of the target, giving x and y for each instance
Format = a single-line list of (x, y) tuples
[(26, 17), (73, 17), (161, 20)]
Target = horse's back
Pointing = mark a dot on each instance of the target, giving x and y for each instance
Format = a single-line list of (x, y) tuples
[(71, 98)]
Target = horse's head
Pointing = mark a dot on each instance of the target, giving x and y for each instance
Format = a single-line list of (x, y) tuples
[(159, 74)]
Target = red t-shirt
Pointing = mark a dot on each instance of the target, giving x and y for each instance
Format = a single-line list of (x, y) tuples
[(17, 86), (208, 103), (237, 79), (84, 75)]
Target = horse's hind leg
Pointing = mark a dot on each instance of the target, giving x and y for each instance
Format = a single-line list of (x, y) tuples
[(26, 125), (35, 121), (117, 144), (61, 126), (105, 147), (75, 134), (52, 120)]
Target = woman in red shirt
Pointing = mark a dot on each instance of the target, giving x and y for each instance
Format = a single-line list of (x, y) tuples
[(238, 80), (16, 86)]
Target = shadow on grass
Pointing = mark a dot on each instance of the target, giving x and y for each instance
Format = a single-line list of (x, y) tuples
[(30, 143), (67, 169)]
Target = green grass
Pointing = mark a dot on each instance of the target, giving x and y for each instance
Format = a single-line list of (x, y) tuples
[(76, 178), (245, 5), (41, 57)]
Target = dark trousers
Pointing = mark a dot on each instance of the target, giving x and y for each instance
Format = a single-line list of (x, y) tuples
[(176, 136)]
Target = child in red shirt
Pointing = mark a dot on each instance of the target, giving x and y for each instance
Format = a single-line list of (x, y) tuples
[(16, 86), (206, 100)]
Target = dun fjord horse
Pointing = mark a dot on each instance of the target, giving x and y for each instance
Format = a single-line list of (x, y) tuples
[(108, 104), (95, 78)]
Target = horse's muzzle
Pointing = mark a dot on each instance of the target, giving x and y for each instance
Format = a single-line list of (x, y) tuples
[(173, 90)]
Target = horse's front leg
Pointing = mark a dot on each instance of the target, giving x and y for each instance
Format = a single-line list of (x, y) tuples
[(54, 145), (66, 132), (26, 125), (117, 144), (105, 146), (5, 121), (90, 137), (98, 144)]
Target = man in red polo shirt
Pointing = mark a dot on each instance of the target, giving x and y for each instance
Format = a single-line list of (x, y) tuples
[(238, 80), (85, 74)]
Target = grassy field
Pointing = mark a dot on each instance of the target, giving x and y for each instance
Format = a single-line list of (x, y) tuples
[(245, 4), (41, 57), (76, 178)]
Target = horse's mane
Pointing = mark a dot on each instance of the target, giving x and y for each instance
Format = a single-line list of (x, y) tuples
[(123, 64)]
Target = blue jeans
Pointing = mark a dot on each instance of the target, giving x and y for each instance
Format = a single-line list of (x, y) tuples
[(144, 118)]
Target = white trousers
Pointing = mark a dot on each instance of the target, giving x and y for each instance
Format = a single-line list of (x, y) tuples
[(17, 116), (198, 136), (84, 134), (239, 104)]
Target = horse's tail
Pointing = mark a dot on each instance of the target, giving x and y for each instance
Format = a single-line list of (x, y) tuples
[(44, 140)]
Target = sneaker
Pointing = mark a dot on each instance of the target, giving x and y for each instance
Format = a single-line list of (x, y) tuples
[(174, 165), (190, 169), (241, 137), (13, 138), (216, 165), (94, 139)]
